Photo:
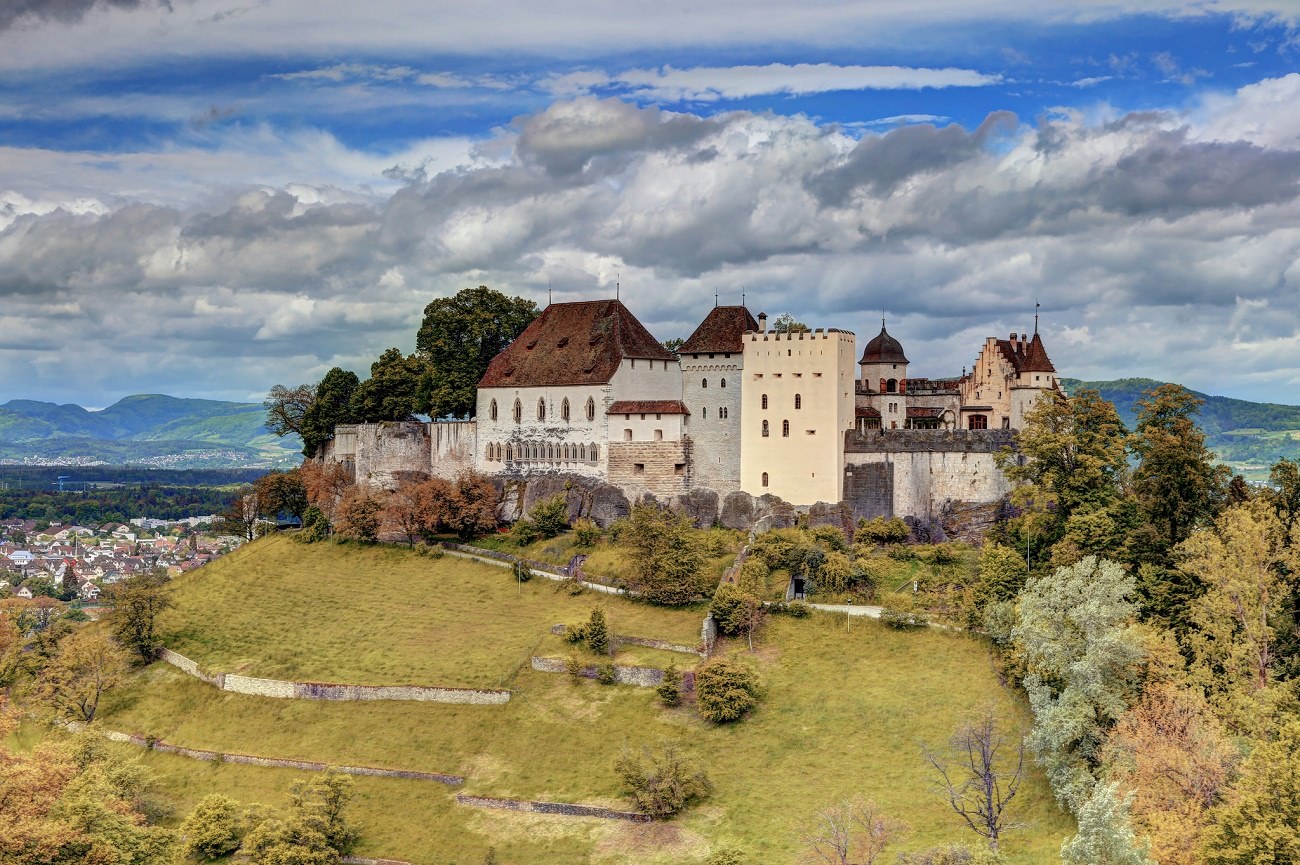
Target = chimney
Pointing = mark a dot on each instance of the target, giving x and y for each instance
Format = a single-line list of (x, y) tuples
[(762, 322)]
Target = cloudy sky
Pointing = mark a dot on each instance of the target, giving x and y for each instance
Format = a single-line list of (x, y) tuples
[(206, 197)]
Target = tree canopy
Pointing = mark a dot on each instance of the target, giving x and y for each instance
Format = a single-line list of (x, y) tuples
[(331, 407), (457, 340)]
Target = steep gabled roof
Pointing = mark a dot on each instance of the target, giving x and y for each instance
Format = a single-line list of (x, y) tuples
[(722, 330), (574, 343), (1036, 359)]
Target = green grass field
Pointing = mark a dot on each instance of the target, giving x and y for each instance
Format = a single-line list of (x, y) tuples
[(381, 615), (848, 707)]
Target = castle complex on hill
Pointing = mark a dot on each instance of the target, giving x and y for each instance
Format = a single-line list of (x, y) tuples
[(587, 394)]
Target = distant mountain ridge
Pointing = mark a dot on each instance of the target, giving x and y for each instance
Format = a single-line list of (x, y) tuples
[(147, 428), (1250, 436)]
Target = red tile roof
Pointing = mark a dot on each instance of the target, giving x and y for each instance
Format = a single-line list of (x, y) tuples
[(722, 330), (648, 406), (1036, 359), (923, 411), (574, 343), (866, 411)]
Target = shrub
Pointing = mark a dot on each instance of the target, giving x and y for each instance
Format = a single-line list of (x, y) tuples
[(521, 571), (952, 854), (830, 537), (661, 782), (755, 577), (573, 667), (881, 531), (665, 556), (725, 856), (575, 633), (550, 517), (726, 689), (571, 586), (793, 609), (903, 620), (670, 689), (212, 829), (605, 673), (315, 526), (836, 574), (726, 603), (596, 632), (585, 533), (432, 551), (524, 532)]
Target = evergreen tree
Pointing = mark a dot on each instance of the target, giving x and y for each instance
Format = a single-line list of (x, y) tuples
[(1260, 823), (596, 632), (331, 406)]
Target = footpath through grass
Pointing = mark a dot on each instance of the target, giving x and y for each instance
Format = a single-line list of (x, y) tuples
[(848, 707), (380, 615)]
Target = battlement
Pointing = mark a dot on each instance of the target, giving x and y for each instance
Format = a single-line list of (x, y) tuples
[(928, 441), (797, 336)]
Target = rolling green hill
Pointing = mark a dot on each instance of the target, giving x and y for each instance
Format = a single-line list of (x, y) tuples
[(152, 429), (1249, 436)]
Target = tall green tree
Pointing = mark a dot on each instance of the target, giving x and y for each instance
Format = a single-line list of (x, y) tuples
[(134, 606), (390, 392), (332, 406), (1106, 834), (281, 492), (1177, 484), (1074, 448), (457, 340), (286, 406)]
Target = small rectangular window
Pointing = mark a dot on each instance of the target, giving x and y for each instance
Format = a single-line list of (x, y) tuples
[(817, 375), (638, 468), (798, 375), (659, 435), (679, 469), (627, 435), (642, 415), (811, 432)]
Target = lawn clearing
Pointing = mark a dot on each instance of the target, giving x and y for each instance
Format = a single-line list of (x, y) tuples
[(849, 704), (381, 615)]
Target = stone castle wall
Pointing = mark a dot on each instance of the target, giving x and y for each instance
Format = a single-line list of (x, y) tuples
[(716, 438), (917, 473), (662, 469)]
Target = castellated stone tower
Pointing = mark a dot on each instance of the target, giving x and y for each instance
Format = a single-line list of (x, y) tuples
[(712, 362), (798, 401)]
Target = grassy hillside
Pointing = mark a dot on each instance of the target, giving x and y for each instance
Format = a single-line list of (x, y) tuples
[(189, 433), (848, 706), (1249, 436)]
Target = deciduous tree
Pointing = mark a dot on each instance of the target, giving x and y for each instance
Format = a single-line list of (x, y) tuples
[(854, 832), (286, 407), (457, 340), (667, 564), (1259, 824), (390, 392), (980, 773), (134, 606), (473, 507), (1082, 661), (281, 493), (87, 664), (332, 406), (359, 515), (1106, 834)]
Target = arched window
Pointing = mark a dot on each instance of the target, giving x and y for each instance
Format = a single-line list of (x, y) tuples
[(764, 478), (798, 401), (705, 414), (764, 402), (785, 429), (564, 409), (541, 409), (519, 411), (492, 410), (891, 386), (487, 454), (704, 383), (765, 430), (595, 453), (510, 453), (725, 413), (722, 383), (591, 409)]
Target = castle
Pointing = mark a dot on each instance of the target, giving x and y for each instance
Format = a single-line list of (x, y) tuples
[(587, 396)]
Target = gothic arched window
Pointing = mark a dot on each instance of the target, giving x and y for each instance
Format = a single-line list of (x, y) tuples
[(591, 409), (492, 410), (518, 411), (564, 409)]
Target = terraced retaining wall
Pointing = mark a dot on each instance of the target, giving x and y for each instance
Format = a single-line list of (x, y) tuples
[(562, 808), (271, 762), (334, 692), (625, 640), (641, 677)]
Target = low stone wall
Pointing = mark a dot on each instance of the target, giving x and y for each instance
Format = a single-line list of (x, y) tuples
[(335, 692), (269, 762), (563, 809), (640, 677), (625, 640), (541, 569)]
